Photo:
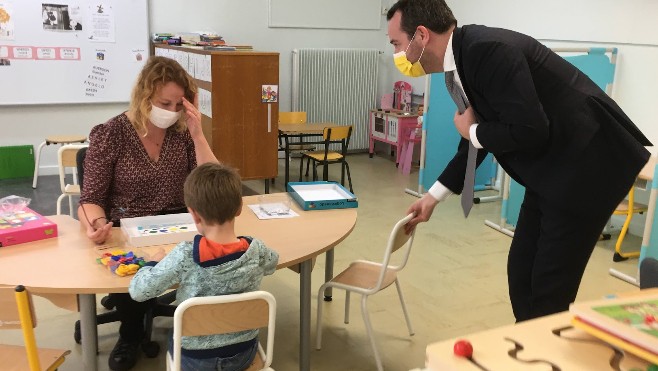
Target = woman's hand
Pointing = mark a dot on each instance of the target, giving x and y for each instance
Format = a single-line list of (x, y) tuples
[(193, 120), (99, 235)]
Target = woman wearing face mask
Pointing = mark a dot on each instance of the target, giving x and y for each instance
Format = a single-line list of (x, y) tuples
[(136, 165)]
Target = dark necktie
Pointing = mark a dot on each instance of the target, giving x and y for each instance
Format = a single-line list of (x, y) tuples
[(469, 178)]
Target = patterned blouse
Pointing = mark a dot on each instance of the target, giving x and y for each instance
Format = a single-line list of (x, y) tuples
[(120, 177)]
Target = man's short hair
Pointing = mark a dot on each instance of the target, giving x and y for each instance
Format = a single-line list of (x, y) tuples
[(433, 14), (214, 191)]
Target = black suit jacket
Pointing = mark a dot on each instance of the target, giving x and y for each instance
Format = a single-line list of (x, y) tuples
[(550, 127)]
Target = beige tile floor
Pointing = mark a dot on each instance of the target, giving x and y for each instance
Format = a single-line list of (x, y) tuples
[(455, 284)]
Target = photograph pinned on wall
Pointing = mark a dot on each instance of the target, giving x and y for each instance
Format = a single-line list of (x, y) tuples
[(270, 94), (61, 17), (6, 21), (5, 62)]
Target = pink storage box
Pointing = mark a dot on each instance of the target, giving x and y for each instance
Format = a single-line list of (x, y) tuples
[(25, 226)]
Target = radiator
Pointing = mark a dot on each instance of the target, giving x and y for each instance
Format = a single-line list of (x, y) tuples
[(336, 85)]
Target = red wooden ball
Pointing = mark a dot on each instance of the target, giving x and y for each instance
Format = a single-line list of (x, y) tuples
[(463, 348)]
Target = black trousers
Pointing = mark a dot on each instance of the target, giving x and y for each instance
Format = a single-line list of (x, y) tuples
[(548, 256), (131, 314)]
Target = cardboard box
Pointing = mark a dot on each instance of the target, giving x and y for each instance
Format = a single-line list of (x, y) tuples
[(322, 195), (159, 229), (25, 226)]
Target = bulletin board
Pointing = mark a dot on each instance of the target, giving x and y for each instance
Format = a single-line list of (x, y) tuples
[(64, 51)]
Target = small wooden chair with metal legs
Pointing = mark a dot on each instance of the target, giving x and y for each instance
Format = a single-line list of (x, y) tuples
[(628, 208), (54, 139), (67, 159), (335, 135), (368, 278), (299, 118), (17, 312)]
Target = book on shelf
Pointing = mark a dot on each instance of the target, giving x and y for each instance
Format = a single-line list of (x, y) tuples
[(630, 323)]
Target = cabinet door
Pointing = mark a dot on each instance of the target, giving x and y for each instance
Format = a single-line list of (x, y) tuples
[(392, 135), (245, 132)]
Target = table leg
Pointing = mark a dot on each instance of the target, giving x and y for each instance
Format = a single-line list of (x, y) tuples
[(287, 161), (305, 315), (88, 331), (328, 272)]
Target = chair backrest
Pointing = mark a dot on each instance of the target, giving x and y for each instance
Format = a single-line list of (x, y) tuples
[(338, 135), (80, 161), (222, 314), (396, 241), (17, 311), (292, 117), (67, 158)]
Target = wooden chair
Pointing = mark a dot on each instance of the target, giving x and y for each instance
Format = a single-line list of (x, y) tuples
[(223, 314), (336, 135), (295, 118), (67, 159), (55, 139), (17, 311), (368, 278), (627, 207)]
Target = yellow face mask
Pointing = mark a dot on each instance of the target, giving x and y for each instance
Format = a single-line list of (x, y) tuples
[(405, 66)]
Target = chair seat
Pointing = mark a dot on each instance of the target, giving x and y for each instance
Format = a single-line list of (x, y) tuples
[(257, 364), (623, 208), (301, 147), (364, 275), (319, 155), (14, 358), (72, 189), (66, 139)]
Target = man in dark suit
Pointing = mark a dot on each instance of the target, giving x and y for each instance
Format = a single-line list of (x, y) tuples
[(549, 126)]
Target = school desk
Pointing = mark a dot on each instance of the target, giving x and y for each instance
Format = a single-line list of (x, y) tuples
[(302, 131), (62, 267)]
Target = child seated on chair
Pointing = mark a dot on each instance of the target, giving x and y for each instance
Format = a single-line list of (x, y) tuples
[(217, 262)]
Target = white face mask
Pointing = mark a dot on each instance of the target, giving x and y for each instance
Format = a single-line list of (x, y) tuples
[(162, 118)]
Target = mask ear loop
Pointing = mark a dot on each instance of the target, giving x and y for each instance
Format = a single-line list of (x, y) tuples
[(410, 41)]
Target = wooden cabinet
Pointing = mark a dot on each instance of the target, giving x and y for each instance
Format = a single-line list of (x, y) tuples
[(242, 129)]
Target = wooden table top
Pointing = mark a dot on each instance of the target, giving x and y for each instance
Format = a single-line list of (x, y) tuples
[(66, 264), (569, 349), (309, 128)]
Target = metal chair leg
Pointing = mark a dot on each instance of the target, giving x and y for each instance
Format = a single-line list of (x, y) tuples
[(36, 165), (366, 319), (404, 307)]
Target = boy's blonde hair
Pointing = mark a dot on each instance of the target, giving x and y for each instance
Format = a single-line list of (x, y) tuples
[(214, 191), (157, 72)]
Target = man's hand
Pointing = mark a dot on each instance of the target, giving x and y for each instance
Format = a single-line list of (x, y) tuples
[(463, 122), (422, 210)]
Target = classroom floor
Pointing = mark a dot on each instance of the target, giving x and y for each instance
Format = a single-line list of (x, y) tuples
[(454, 284)]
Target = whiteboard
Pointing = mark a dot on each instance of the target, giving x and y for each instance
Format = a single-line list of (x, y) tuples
[(339, 14), (62, 51)]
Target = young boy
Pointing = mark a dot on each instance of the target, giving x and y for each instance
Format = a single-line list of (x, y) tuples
[(217, 262)]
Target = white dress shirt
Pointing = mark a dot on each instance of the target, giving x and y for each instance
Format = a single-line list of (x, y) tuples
[(438, 190)]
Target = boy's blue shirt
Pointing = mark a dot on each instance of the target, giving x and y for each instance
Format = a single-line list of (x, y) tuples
[(242, 273)]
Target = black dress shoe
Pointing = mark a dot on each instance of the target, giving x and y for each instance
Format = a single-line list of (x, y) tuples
[(124, 355)]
